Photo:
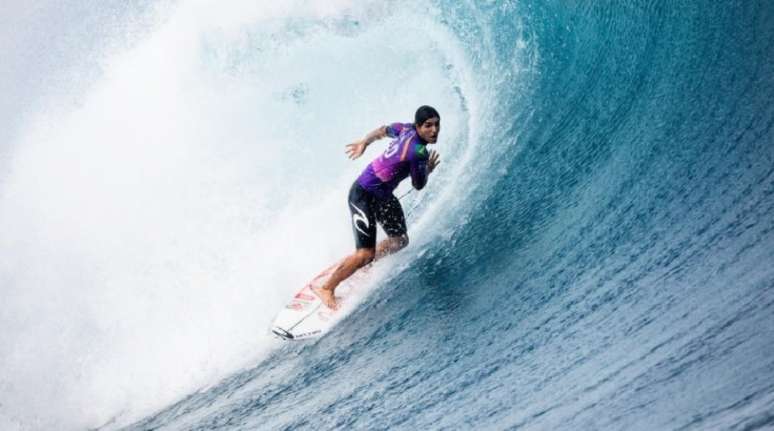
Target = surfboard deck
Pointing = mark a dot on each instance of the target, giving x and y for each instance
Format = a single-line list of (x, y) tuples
[(305, 316)]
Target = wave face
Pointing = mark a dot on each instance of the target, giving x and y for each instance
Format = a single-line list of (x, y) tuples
[(594, 253), (608, 264)]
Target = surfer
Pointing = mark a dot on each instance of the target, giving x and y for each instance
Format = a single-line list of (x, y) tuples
[(371, 199)]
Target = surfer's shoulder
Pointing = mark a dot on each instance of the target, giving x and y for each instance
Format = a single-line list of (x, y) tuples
[(417, 150), (396, 129)]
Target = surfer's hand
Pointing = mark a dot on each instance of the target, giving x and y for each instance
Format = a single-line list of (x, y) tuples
[(356, 149), (433, 161)]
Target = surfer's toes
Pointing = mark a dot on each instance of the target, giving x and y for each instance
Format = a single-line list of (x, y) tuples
[(326, 297), (330, 302)]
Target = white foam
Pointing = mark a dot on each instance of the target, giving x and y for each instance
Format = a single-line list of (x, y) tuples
[(149, 233)]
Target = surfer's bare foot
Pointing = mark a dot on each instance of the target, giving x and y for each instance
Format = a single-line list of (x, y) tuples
[(326, 296)]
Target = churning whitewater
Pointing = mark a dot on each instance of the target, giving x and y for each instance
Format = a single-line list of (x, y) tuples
[(594, 252)]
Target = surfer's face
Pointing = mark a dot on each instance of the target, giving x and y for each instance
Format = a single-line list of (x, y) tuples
[(428, 130)]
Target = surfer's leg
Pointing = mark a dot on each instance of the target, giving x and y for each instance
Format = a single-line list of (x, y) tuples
[(346, 268), (364, 228), (362, 206), (390, 245), (389, 214)]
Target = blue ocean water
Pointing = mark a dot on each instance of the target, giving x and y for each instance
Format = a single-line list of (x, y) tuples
[(594, 252), (611, 266)]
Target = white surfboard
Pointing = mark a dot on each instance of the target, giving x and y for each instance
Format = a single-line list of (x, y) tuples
[(305, 316)]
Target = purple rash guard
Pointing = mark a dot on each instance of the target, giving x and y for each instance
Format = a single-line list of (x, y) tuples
[(406, 154)]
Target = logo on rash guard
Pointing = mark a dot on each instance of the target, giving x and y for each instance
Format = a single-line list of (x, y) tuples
[(391, 149), (422, 151), (360, 218)]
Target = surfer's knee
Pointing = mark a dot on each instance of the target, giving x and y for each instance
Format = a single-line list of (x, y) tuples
[(400, 242), (365, 255)]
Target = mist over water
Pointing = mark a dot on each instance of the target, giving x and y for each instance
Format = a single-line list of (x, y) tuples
[(594, 251)]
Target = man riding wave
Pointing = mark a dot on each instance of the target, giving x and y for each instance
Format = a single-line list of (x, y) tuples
[(371, 198)]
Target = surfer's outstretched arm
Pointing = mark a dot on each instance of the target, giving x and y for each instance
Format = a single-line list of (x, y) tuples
[(357, 148)]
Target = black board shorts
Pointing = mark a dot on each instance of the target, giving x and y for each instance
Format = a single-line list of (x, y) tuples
[(367, 210)]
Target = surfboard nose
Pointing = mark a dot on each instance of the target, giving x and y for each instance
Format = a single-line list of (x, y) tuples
[(281, 333)]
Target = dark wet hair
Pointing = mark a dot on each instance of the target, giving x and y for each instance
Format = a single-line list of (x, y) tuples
[(425, 113)]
